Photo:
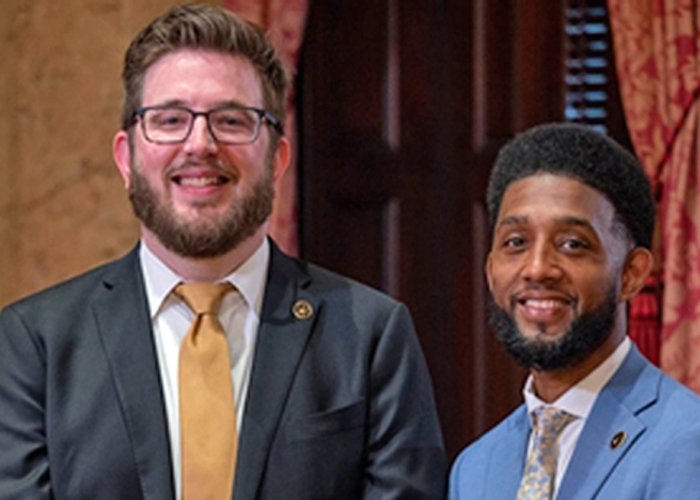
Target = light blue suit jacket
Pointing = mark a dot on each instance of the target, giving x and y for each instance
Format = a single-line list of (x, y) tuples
[(660, 458)]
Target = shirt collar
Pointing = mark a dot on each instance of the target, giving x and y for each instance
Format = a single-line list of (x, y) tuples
[(249, 278), (579, 399)]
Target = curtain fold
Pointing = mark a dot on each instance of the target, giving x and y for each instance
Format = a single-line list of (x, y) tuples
[(284, 20), (656, 50)]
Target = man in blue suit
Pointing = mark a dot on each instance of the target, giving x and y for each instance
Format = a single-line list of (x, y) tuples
[(315, 384), (572, 218)]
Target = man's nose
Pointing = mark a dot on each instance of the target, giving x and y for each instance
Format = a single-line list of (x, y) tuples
[(541, 263), (200, 141)]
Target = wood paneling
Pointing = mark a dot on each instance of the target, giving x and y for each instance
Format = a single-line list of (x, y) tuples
[(403, 106)]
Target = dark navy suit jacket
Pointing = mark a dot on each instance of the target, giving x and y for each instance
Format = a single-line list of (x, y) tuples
[(339, 406)]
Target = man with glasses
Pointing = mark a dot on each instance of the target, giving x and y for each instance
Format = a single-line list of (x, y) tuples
[(206, 364)]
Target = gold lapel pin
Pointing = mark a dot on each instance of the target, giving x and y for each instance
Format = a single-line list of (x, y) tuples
[(618, 440), (302, 309)]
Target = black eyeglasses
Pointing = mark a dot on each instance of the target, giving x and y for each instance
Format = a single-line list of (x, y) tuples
[(228, 124)]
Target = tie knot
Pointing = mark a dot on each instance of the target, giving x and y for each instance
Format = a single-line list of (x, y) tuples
[(203, 298), (550, 421)]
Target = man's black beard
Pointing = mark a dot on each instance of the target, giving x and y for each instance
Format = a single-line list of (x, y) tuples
[(202, 239), (585, 335)]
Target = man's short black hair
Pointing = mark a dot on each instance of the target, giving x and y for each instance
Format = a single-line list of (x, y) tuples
[(580, 153)]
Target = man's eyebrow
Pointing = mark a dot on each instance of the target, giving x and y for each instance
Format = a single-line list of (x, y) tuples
[(566, 220), (170, 102), (230, 103), (574, 221), (513, 220)]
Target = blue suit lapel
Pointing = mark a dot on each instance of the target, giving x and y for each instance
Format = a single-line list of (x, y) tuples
[(630, 391), (506, 463), (124, 326), (280, 345)]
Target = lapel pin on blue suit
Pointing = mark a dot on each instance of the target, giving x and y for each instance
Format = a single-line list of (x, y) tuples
[(618, 440), (302, 309)]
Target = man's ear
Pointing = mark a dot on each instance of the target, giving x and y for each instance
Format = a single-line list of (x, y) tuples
[(636, 269), (282, 158), (122, 156)]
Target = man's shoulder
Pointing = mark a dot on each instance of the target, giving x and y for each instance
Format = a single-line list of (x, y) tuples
[(329, 281), (513, 425), (484, 459), (679, 406), (659, 420), (331, 285), (639, 383), (666, 412)]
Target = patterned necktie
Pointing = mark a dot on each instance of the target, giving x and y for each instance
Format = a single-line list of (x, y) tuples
[(207, 409), (541, 466)]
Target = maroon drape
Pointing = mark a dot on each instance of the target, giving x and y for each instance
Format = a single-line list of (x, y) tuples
[(657, 57)]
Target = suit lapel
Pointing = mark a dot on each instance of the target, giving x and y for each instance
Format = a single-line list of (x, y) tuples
[(280, 345), (600, 447), (124, 326), (506, 463)]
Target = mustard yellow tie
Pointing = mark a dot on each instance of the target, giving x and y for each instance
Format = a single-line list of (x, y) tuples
[(207, 408), (541, 466)]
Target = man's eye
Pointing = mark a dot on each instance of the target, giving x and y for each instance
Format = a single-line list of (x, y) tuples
[(233, 120), (171, 120), (574, 244), (229, 120), (168, 120), (514, 242)]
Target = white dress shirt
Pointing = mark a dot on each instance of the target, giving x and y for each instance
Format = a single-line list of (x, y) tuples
[(578, 401), (171, 318)]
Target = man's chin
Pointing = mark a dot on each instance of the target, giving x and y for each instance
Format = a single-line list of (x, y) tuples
[(197, 224), (543, 325), (542, 334), (195, 213)]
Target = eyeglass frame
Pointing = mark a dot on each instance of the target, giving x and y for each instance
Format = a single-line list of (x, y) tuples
[(263, 117)]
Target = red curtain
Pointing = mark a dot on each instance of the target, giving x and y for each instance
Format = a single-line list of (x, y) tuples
[(656, 50), (284, 21)]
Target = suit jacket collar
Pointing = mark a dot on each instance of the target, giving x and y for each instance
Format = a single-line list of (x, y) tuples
[(617, 410), (282, 338), (124, 326)]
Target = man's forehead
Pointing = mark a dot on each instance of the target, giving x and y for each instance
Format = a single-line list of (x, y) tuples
[(186, 72)]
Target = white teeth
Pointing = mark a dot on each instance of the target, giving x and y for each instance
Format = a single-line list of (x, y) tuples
[(199, 181), (543, 304)]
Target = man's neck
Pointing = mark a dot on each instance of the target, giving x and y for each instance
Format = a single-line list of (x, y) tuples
[(551, 385), (205, 269)]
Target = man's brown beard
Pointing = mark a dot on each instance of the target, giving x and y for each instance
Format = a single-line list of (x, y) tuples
[(197, 239)]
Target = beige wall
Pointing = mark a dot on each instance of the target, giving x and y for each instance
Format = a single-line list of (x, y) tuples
[(7, 110), (63, 208)]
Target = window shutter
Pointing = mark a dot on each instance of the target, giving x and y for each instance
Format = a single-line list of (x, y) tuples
[(589, 61)]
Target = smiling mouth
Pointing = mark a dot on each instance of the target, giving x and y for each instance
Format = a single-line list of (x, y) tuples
[(200, 181), (543, 311), (543, 304)]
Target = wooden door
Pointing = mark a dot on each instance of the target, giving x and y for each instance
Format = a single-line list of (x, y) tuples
[(402, 108)]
